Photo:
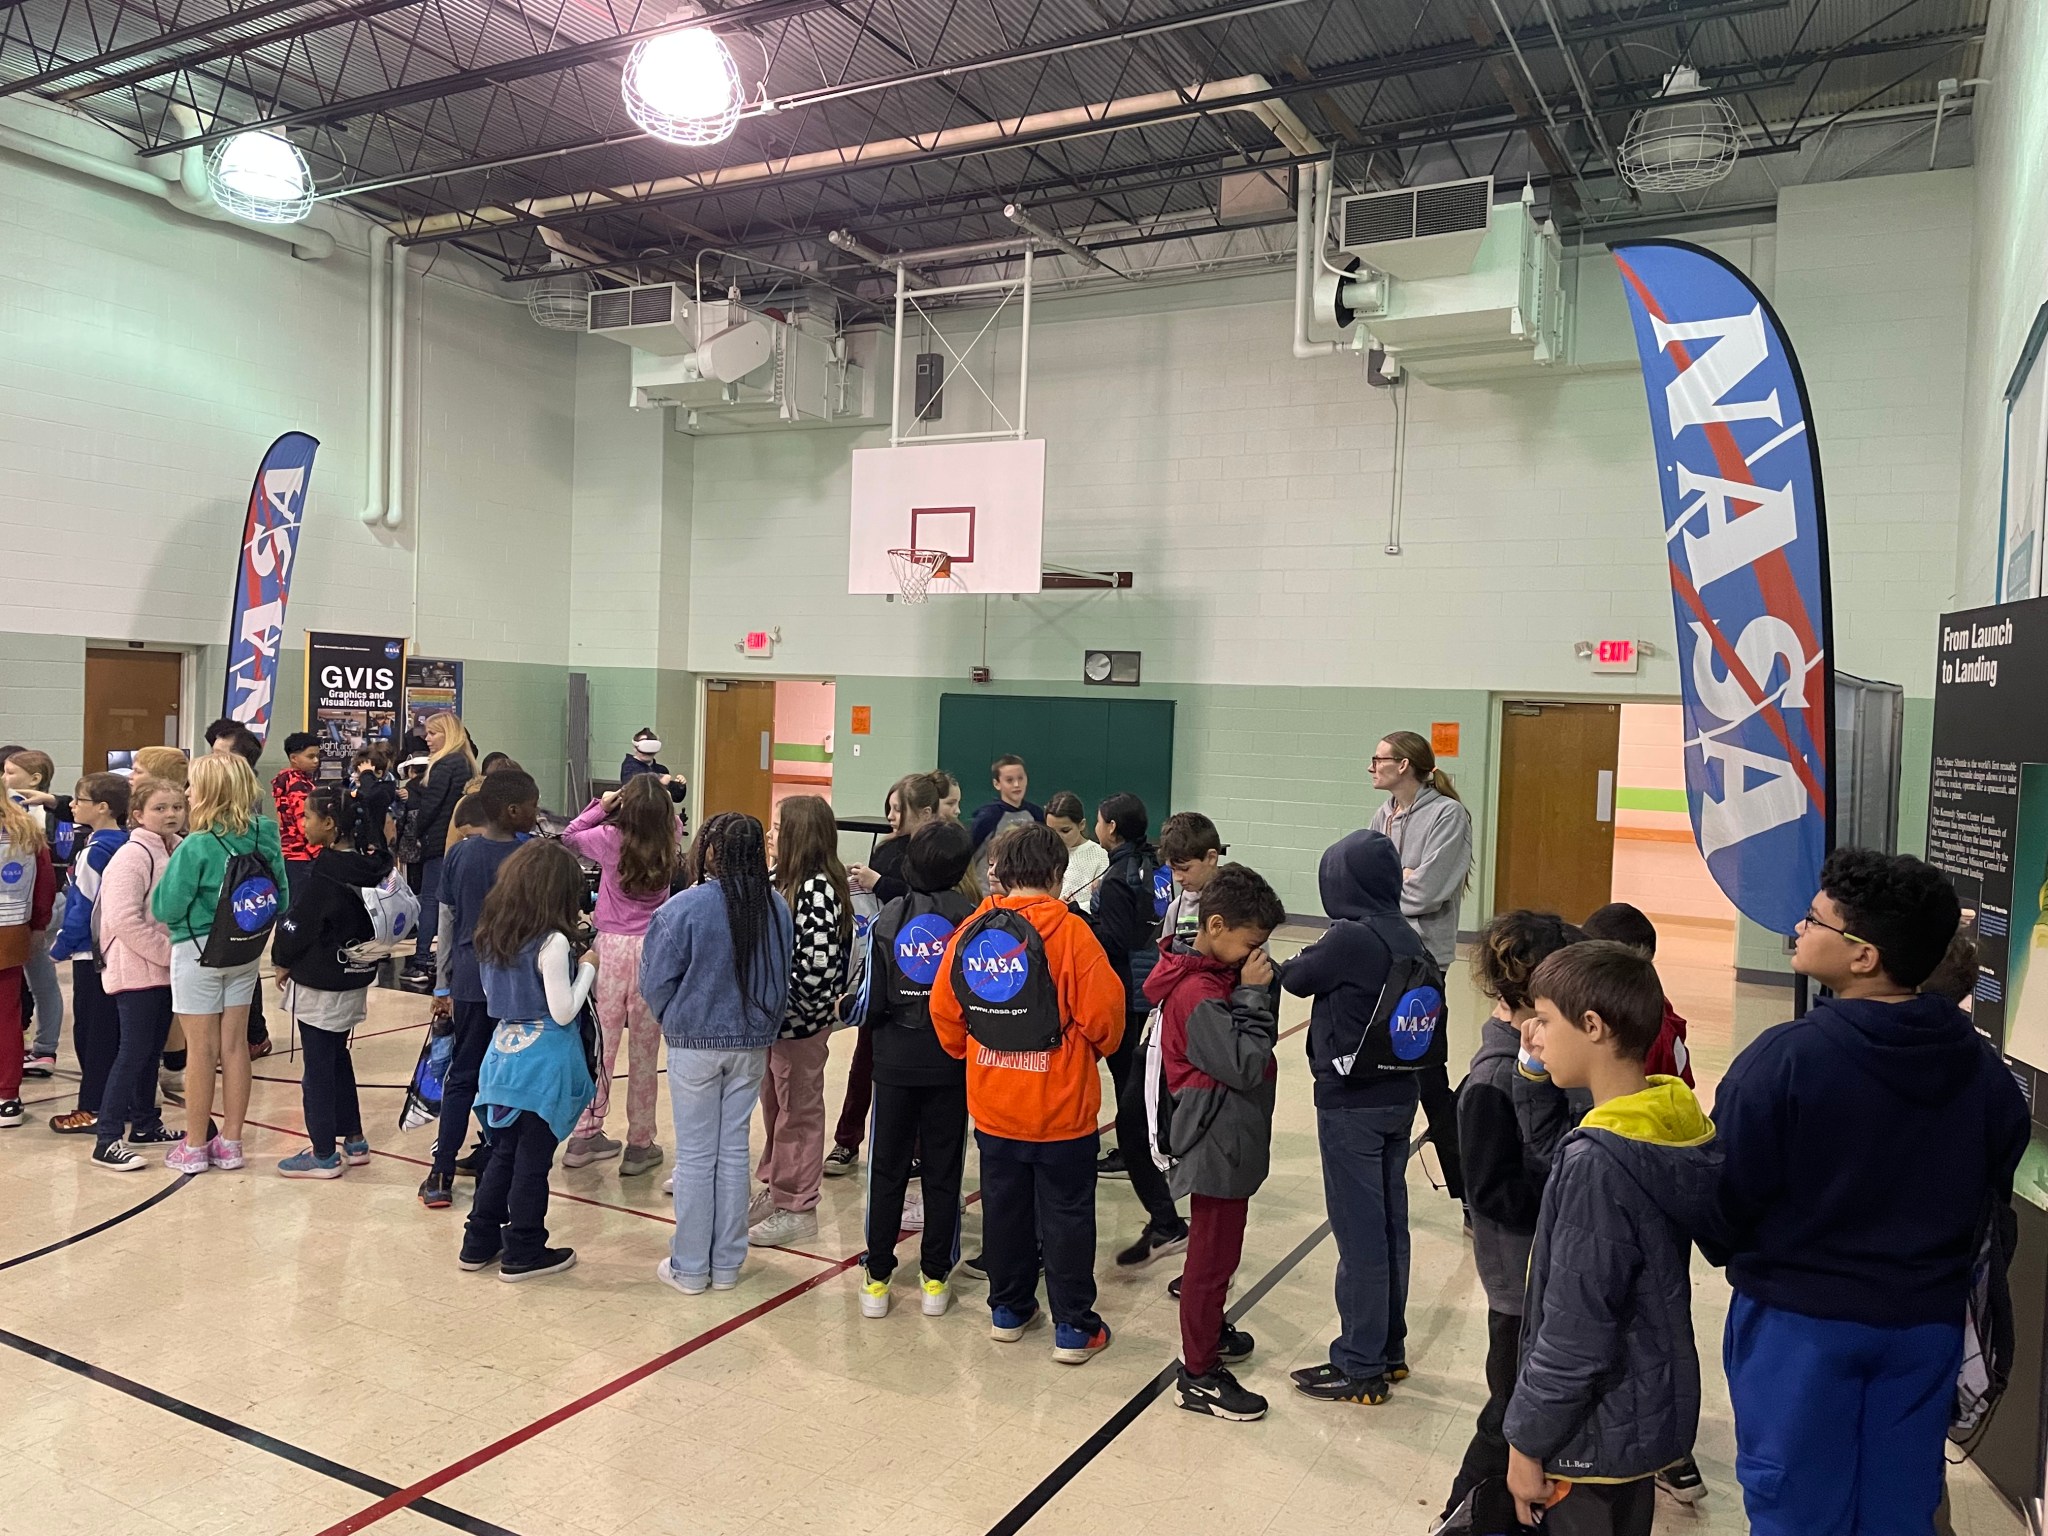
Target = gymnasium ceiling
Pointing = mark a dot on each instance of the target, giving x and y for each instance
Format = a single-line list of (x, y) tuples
[(450, 119)]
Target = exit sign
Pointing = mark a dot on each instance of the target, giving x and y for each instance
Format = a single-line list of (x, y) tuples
[(1615, 656)]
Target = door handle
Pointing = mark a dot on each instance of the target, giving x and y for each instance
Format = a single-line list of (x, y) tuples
[(1603, 797), (767, 749)]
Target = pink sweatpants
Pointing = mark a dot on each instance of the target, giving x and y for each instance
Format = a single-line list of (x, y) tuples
[(793, 1121), (622, 1011)]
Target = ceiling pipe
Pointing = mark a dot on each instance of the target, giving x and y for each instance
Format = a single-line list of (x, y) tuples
[(1053, 237), (875, 258), (183, 185), (376, 419), (1102, 117), (1579, 84), (394, 492)]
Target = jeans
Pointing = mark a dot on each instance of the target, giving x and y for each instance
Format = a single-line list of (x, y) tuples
[(1215, 1244), (712, 1096), (327, 1089), (95, 1033), (42, 986), (1839, 1427), (473, 1028), (1127, 1072), (1487, 1455), (933, 1116), (130, 1099), (860, 1093), (793, 1121), (1365, 1186), (1040, 1195), (512, 1193), (429, 889)]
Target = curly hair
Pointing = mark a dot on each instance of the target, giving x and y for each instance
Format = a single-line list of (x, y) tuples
[(1903, 907), (1511, 948)]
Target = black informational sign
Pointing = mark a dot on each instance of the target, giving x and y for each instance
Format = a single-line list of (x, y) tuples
[(353, 687)]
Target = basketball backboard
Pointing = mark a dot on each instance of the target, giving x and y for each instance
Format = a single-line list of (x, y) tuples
[(982, 504)]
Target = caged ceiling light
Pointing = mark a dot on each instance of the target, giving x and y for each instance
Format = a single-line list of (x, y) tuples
[(561, 300), (261, 176), (1686, 142), (683, 87)]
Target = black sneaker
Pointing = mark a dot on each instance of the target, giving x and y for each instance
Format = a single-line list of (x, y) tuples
[(158, 1135), (549, 1261), (1111, 1165), (1218, 1395), (437, 1191), (1683, 1482), (416, 981), (472, 1166), (840, 1160), (971, 1265), (10, 1113), (1237, 1346), (1328, 1384), (1398, 1371), (472, 1262), (1150, 1245), (115, 1155)]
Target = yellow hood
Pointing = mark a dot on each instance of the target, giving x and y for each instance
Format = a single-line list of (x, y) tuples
[(1665, 1113)]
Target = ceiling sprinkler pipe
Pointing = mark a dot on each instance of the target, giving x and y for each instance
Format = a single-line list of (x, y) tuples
[(1308, 239), (376, 425), (394, 492), (874, 258), (1053, 237)]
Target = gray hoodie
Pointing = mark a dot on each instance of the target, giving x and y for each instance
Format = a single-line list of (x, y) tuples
[(1434, 839)]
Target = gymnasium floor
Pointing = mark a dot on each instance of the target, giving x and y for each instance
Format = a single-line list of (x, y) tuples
[(237, 1354)]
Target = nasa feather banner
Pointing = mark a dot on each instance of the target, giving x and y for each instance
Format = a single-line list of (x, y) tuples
[(263, 578), (1745, 537)]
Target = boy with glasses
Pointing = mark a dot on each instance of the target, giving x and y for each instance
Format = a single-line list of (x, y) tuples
[(1866, 1149)]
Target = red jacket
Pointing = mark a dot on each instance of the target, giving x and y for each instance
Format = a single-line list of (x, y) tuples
[(290, 789), (1668, 1053)]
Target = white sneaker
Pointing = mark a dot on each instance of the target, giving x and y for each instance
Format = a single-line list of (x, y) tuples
[(760, 1206), (668, 1185), (938, 1296), (668, 1277), (913, 1213), (874, 1298), (781, 1227)]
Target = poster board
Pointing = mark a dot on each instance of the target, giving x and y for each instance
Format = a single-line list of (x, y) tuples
[(432, 684), (2023, 508), (352, 695)]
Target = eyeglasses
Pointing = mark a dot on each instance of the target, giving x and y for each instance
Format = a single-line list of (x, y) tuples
[(1811, 921), (1378, 760)]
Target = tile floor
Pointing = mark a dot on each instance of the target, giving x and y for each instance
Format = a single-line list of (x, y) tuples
[(253, 1356)]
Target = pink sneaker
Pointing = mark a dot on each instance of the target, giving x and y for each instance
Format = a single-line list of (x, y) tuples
[(184, 1159), (222, 1153)]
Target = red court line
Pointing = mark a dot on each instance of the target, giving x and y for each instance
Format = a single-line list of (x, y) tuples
[(392, 1503)]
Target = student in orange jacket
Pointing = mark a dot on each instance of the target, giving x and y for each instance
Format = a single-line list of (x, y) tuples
[(1031, 1043)]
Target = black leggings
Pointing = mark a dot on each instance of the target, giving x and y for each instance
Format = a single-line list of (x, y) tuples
[(935, 1116), (328, 1090), (1127, 1074), (130, 1097)]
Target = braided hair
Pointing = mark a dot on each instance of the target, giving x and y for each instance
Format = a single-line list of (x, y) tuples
[(733, 850)]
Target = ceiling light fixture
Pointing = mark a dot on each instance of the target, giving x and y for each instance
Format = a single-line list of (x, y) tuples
[(1686, 142), (683, 87), (261, 176)]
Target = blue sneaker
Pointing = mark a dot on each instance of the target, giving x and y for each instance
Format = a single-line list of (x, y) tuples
[(310, 1165), (1007, 1327), (357, 1150), (1077, 1346)]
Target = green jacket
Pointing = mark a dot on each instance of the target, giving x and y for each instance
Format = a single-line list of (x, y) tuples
[(185, 898)]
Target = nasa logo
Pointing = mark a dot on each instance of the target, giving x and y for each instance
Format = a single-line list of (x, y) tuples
[(862, 922), (399, 925), (920, 946), (391, 650), (1162, 890), (995, 966), (11, 873), (1414, 1022), (254, 904)]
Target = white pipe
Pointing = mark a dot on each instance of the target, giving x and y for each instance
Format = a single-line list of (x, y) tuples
[(1308, 237), (376, 425), (1102, 117), (394, 494), (308, 243)]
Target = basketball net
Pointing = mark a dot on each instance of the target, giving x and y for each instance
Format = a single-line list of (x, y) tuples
[(917, 569)]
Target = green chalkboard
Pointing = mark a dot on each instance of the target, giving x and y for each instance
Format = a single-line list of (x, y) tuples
[(1096, 747)]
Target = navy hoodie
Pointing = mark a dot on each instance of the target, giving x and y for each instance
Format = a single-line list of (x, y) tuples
[(1345, 969), (1861, 1145)]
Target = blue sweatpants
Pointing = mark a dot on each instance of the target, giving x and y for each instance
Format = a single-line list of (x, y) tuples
[(1839, 1427)]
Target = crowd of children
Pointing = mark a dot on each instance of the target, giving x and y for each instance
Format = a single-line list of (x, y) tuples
[(997, 966)]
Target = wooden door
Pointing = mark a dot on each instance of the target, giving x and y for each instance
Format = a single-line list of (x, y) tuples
[(1555, 848), (132, 700), (739, 748)]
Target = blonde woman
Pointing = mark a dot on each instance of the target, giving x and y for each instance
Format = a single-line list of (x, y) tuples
[(451, 764), (212, 1001)]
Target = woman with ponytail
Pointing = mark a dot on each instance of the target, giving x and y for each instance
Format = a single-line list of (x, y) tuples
[(1432, 833), (715, 970)]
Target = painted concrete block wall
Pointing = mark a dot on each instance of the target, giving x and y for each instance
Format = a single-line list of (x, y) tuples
[(42, 698)]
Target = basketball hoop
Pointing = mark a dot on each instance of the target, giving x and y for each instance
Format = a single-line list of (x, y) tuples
[(917, 569)]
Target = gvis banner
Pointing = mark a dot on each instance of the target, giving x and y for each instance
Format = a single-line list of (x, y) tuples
[(1746, 541), (263, 578)]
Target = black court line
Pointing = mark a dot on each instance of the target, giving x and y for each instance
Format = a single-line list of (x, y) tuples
[(1026, 1509), (283, 1449), (161, 1195)]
